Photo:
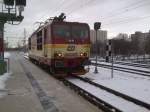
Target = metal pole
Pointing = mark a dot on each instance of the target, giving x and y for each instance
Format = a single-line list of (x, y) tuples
[(2, 39), (112, 67), (24, 41), (96, 70), (112, 61)]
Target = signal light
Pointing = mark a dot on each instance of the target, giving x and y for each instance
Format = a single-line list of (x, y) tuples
[(21, 2), (97, 25), (9, 2)]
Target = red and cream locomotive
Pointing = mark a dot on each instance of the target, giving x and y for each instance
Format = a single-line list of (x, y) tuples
[(63, 47)]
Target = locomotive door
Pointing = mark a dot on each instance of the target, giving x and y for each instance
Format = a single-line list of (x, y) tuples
[(45, 42)]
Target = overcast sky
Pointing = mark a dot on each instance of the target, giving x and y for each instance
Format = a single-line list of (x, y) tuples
[(117, 16)]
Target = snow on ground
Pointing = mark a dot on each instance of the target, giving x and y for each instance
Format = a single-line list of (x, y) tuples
[(6, 54), (125, 66), (3, 79), (131, 84)]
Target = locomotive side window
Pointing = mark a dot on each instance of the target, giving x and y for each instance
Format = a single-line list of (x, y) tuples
[(39, 40), (79, 32), (45, 35), (61, 31)]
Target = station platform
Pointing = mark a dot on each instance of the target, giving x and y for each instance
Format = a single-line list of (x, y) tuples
[(30, 89)]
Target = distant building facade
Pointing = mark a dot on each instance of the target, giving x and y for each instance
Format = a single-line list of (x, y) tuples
[(101, 39), (101, 36), (140, 38), (122, 36)]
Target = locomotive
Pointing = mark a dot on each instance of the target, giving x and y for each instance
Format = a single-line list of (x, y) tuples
[(60, 46)]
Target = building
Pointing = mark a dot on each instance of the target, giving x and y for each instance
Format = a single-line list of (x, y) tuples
[(140, 38), (101, 44), (101, 36), (122, 36)]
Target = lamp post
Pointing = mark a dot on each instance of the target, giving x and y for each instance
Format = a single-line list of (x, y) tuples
[(1, 40), (97, 26)]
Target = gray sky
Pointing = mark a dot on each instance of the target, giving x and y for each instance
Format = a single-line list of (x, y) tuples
[(117, 16)]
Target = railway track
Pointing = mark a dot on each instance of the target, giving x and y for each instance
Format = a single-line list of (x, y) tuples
[(91, 98), (99, 103), (136, 101), (128, 70), (133, 64), (80, 85), (128, 63)]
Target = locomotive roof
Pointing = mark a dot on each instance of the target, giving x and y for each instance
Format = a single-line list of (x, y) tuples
[(54, 22)]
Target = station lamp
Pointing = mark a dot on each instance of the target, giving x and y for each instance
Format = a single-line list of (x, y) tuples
[(9, 2)]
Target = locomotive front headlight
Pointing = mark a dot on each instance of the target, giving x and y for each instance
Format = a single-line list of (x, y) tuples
[(58, 55), (81, 54)]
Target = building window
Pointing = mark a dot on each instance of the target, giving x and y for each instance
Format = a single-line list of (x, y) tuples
[(45, 35)]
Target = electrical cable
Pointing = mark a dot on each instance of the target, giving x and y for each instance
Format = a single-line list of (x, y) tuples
[(128, 21), (126, 10)]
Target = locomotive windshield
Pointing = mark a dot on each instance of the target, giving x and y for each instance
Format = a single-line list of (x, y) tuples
[(61, 31), (65, 31), (79, 32)]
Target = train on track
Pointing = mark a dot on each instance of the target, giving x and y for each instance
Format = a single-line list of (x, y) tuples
[(60, 46)]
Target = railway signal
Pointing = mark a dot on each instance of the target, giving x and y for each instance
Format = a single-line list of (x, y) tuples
[(97, 26), (108, 51), (109, 55)]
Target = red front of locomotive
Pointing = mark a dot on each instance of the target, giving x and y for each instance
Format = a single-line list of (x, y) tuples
[(71, 47)]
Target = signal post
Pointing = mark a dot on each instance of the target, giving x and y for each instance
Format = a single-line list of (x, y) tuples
[(9, 15)]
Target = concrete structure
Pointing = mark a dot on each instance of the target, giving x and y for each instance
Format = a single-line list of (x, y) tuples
[(102, 36), (22, 96)]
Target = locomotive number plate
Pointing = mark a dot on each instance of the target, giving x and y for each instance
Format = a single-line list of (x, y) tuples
[(71, 48)]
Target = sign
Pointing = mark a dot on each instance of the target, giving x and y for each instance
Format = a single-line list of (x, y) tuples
[(71, 48)]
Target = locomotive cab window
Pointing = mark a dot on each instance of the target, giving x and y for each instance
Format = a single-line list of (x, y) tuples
[(39, 40), (61, 31), (79, 32)]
